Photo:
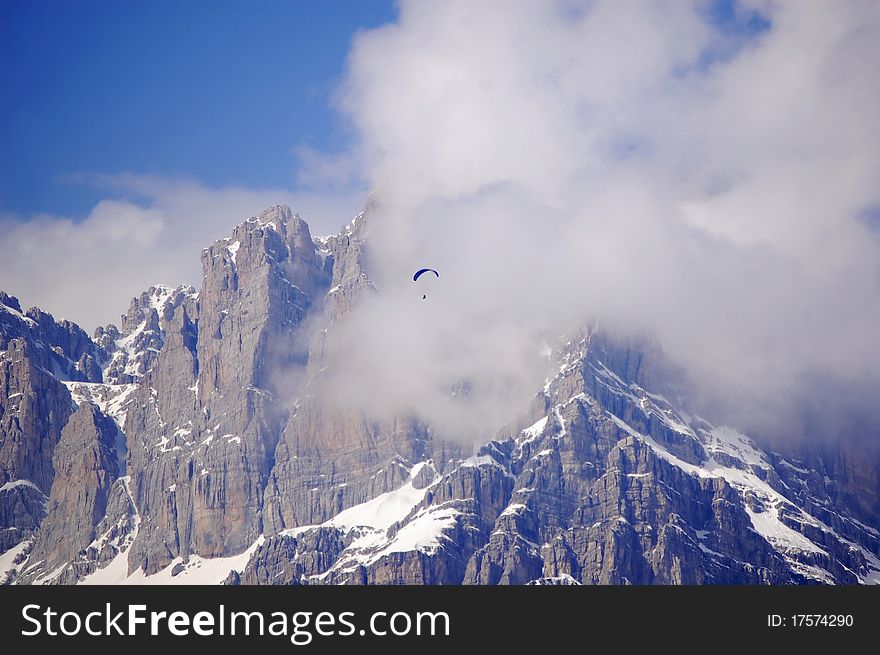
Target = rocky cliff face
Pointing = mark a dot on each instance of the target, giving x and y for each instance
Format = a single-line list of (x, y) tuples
[(86, 465), (365, 455), (192, 444), (34, 407), (610, 486), (208, 415), (129, 352)]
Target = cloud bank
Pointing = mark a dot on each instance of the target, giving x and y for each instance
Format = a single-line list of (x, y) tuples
[(705, 178), (706, 182)]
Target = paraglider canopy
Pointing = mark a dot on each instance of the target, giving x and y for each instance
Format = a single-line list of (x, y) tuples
[(422, 271)]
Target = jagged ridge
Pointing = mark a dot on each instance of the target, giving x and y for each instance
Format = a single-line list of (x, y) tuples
[(212, 464)]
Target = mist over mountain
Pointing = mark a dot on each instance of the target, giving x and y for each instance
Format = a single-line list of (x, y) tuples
[(649, 355), (703, 186), (208, 438)]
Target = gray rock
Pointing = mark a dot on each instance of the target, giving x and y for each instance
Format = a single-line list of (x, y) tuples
[(127, 354), (62, 348), (226, 438), (34, 407), (85, 462)]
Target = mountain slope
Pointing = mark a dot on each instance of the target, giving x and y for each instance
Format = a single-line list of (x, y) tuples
[(610, 486), (191, 445)]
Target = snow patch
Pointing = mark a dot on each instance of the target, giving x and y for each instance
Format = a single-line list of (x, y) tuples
[(8, 568), (735, 443), (111, 399), (514, 509), (233, 250), (423, 533), (196, 570), (532, 432), (15, 484), (770, 526), (382, 512)]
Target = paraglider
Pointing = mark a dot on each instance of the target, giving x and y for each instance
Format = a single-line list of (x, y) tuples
[(421, 272)]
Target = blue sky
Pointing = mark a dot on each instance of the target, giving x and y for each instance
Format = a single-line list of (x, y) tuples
[(218, 91), (221, 91)]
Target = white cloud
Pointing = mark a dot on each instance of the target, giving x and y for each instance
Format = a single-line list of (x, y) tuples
[(557, 161)]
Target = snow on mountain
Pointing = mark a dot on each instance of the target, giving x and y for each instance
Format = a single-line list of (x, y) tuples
[(130, 351), (110, 398), (604, 480)]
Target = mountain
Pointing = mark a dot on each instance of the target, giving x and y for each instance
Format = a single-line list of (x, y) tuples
[(191, 444)]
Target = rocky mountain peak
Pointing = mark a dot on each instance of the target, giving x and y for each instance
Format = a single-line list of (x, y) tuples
[(128, 353), (64, 349), (275, 216), (222, 456), (158, 299), (10, 301)]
